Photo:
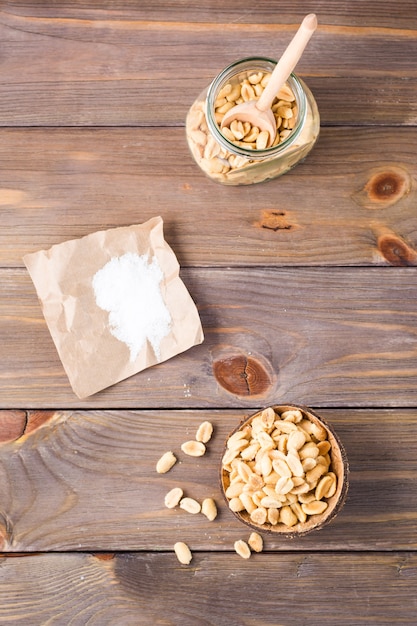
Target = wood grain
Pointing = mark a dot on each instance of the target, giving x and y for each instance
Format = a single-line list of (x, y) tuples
[(86, 480), (216, 590), (345, 338), (125, 72), (59, 184), (355, 13)]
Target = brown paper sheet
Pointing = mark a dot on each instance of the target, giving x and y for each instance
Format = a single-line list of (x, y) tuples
[(92, 356)]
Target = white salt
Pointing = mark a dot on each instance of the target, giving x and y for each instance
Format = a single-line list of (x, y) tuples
[(128, 288)]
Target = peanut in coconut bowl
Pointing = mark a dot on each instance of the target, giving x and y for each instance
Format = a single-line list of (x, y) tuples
[(284, 470)]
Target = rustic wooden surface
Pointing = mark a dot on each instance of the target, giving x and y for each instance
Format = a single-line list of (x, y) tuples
[(306, 288)]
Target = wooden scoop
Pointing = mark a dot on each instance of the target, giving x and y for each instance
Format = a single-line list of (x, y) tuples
[(258, 112)]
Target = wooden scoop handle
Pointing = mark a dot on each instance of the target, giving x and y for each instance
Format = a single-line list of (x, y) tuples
[(287, 62)]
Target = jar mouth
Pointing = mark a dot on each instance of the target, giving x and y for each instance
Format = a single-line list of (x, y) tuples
[(254, 64)]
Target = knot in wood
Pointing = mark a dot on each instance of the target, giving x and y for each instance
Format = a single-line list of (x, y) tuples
[(396, 251), (242, 375), (274, 220), (387, 187)]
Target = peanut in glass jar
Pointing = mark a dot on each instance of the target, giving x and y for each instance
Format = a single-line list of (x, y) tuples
[(234, 163)]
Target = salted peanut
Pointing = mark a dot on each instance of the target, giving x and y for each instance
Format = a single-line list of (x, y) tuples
[(315, 474), (225, 91), (255, 78), (253, 135), (332, 489), (293, 415), (281, 467), (285, 112), (234, 95), (283, 443), (229, 456), (247, 502), (301, 515), (315, 507), (287, 427), (272, 478), (270, 503), (323, 487), (265, 440), (193, 448), (247, 92), (284, 485), (239, 444), (257, 497), (285, 93), (195, 118), (234, 489), (220, 102), (287, 516), (262, 140), (310, 449), (209, 509), (294, 463), (236, 505), (256, 482), (324, 447), (199, 137), (242, 549), (173, 497), (224, 108), (319, 432), (190, 505), (237, 129), (269, 491), (258, 516), (228, 134), (296, 440), (204, 432), (237, 436), (165, 463), (266, 465), (244, 471), (290, 498), (308, 463), (305, 498), (249, 453), (183, 553), (273, 516), (256, 542), (300, 489)]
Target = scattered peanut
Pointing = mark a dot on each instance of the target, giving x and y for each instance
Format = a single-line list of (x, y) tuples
[(209, 509), (204, 432), (165, 463), (193, 448), (242, 549), (183, 552), (190, 505), (287, 476), (255, 542), (173, 497)]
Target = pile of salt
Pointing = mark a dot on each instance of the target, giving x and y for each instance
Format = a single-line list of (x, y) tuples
[(128, 288)]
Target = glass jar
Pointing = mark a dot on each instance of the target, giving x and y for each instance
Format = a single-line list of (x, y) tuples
[(232, 163)]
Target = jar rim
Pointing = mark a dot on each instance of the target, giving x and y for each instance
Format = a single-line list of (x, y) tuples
[(229, 72)]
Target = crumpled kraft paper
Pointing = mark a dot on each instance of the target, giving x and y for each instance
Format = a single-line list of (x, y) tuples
[(92, 356)]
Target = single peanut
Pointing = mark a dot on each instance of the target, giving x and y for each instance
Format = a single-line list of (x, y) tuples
[(183, 552), (165, 463)]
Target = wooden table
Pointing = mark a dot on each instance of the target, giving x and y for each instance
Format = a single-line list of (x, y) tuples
[(306, 289)]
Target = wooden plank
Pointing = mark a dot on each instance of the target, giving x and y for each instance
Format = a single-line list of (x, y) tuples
[(342, 339), (138, 72), (216, 590), (378, 13), (349, 203), (86, 480)]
